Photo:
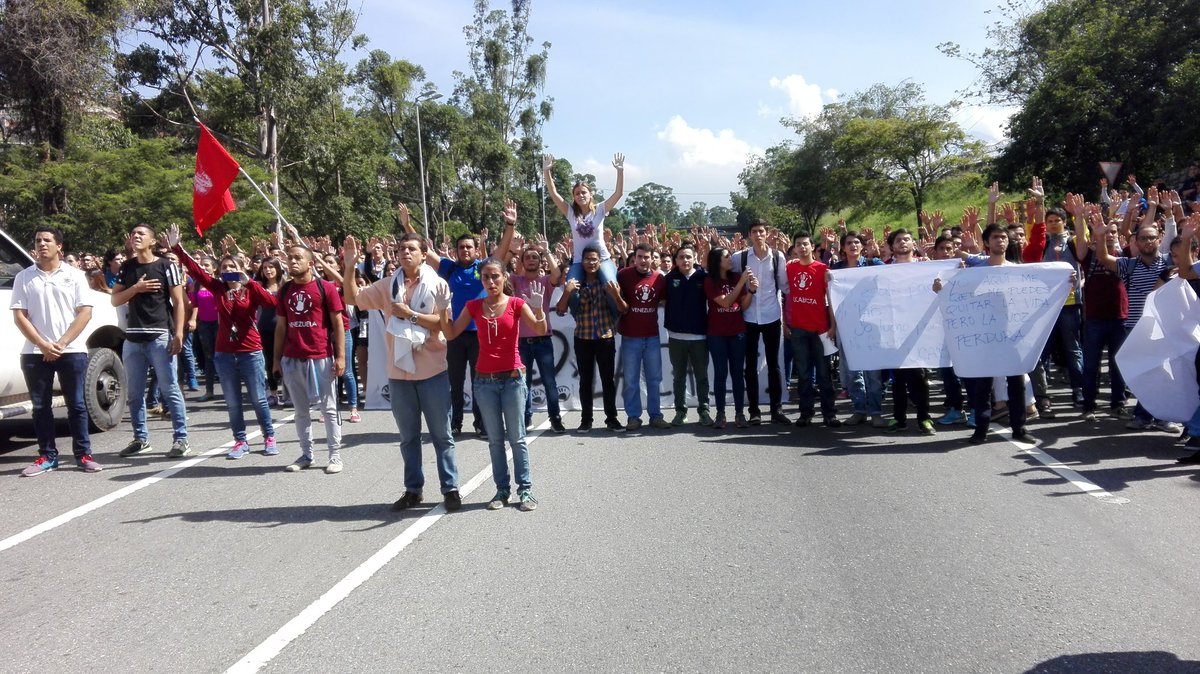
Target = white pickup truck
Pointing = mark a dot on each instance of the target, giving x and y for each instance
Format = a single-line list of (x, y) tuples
[(104, 388)]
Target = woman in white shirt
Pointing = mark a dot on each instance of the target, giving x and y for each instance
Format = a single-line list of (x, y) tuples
[(586, 219)]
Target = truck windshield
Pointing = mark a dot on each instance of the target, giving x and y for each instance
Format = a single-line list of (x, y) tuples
[(11, 262)]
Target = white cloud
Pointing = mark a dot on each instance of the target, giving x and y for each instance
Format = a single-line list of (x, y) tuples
[(769, 112), (703, 147), (832, 94), (986, 123), (804, 99)]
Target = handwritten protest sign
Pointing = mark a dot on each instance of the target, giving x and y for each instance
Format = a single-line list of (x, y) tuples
[(996, 319), (887, 317), (1158, 358)]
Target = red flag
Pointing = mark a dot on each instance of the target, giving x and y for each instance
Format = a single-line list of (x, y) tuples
[(215, 171)]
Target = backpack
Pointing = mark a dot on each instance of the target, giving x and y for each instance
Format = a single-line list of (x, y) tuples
[(775, 255)]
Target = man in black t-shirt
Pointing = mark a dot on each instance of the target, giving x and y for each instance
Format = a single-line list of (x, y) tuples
[(153, 288)]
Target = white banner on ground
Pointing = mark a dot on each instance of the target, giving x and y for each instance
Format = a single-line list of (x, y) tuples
[(566, 372), (1158, 358), (997, 319), (887, 316)]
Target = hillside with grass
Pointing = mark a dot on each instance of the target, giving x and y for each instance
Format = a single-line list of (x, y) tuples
[(951, 196)]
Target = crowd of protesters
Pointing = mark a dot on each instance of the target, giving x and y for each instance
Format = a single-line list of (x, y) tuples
[(288, 321)]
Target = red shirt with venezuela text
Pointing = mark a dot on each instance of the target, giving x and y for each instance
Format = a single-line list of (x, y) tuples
[(300, 305), (643, 294), (724, 321), (806, 297)]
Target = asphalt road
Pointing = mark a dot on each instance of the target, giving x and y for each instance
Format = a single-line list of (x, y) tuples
[(773, 549)]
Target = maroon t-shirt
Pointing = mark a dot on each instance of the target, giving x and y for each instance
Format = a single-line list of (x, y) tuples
[(1104, 295), (723, 321), (643, 294), (300, 305)]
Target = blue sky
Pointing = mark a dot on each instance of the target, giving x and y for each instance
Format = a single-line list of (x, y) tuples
[(688, 90)]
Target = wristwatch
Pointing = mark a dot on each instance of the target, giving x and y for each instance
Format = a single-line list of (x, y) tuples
[(413, 319)]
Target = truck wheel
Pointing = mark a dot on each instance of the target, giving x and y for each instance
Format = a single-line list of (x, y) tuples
[(104, 389)]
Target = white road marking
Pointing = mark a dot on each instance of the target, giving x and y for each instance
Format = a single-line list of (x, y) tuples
[(274, 644), (86, 508), (1081, 483)]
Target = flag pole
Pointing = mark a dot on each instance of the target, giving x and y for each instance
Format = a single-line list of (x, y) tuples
[(265, 198)]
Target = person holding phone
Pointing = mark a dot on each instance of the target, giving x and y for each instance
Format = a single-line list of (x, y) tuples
[(238, 346)]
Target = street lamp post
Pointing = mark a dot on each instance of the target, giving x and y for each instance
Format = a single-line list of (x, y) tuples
[(427, 96)]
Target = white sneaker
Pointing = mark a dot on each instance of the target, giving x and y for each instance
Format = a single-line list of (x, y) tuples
[(335, 464)]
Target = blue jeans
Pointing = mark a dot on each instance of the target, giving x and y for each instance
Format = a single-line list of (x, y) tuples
[(539, 351), (865, 388), (348, 380), (207, 332), (187, 361), (39, 378), (811, 364), (608, 271), (250, 369), (502, 406), (638, 353), (1067, 329), (729, 360), (431, 398), (1098, 334), (138, 358), (953, 388)]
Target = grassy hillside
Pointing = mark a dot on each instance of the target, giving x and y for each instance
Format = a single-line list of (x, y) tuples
[(952, 197)]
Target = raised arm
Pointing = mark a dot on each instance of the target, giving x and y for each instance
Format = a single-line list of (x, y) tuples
[(993, 197), (619, 164), (510, 225), (1096, 225), (548, 177)]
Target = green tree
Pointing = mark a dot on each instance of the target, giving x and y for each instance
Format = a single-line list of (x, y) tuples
[(721, 216), (1094, 82), (652, 204), (501, 101)]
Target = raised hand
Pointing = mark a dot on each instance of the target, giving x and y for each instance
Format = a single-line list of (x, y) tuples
[(971, 216), (1009, 213), (405, 216), (537, 295), (1132, 179), (172, 235), (994, 193), (350, 250), (547, 162), (1036, 190), (939, 219), (1152, 196), (924, 217), (619, 161), (1073, 204)]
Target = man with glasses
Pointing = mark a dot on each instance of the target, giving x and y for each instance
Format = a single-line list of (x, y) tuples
[(1139, 273)]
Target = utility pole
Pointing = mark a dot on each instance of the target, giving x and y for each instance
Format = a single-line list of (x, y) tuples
[(271, 130)]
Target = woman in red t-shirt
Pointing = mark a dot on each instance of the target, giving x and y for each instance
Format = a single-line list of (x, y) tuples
[(728, 296), (499, 386), (238, 353)]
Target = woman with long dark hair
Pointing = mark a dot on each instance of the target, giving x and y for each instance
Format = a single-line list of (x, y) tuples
[(728, 294), (499, 386)]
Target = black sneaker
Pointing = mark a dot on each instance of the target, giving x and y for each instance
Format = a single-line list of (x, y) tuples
[(456, 431), (614, 426), (1190, 459), (585, 427), (453, 501), (408, 500), (779, 418), (803, 421), (976, 439), (481, 432), (556, 425), (755, 419), (832, 422)]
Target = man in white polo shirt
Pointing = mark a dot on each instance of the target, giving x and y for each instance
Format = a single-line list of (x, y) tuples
[(763, 318), (51, 306)]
